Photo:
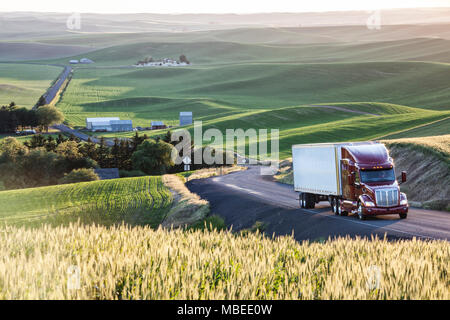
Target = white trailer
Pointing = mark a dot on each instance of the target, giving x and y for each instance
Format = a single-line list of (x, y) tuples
[(316, 168)]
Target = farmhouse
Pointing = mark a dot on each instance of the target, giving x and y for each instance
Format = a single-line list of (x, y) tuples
[(113, 124), (185, 118), (158, 125)]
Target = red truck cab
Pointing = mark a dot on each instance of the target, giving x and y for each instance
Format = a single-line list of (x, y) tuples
[(369, 184)]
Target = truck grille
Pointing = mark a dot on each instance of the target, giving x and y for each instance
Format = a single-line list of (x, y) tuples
[(386, 197)]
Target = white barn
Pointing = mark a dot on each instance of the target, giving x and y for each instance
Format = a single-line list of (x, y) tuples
[(113, 124), (98, 122)]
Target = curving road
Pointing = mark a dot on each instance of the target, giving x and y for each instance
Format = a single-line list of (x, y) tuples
[(244, 197)]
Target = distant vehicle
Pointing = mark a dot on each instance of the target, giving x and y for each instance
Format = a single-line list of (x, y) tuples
[(73, 61), (354, 177), (155, 125), (25, 132)]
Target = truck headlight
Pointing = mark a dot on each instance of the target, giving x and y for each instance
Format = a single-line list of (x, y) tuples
[(403, 199), (369, 204)]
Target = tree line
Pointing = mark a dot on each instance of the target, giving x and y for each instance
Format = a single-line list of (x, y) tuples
[(13, 117), (42, 161)]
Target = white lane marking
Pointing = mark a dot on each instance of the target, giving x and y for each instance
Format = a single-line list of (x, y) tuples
[(243, 189)]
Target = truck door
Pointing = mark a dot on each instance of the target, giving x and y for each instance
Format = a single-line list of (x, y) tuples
[(348, 191)]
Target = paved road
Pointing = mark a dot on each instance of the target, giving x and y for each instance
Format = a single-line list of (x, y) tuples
[(78, 134), (244, 197), (53, 90)]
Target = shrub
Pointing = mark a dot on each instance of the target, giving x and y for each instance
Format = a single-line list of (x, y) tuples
[(79, 175)]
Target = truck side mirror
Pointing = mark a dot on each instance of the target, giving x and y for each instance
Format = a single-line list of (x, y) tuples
[(403, 176)]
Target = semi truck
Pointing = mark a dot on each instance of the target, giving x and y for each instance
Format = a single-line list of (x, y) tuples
[(354, 177)]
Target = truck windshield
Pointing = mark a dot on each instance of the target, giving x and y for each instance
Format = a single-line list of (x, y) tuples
[(377, 175)]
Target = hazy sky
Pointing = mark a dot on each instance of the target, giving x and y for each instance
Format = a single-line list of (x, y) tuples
[(210, 6)]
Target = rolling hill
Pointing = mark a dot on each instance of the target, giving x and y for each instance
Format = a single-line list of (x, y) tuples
[(142, 200)]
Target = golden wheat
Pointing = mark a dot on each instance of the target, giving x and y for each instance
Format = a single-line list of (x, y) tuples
[(140, 263)]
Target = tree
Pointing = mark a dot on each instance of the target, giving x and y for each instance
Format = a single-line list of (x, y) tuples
[(136, 140), (167, 137), (103, 154), (153, 157), (184, 59), (49, 115), (40, 168), (41, 101), (79, 175), (71, 158), (11, 150)]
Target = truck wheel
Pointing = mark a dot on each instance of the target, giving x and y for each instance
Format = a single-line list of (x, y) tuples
[(361, 215), (403, 215), (341, 212)]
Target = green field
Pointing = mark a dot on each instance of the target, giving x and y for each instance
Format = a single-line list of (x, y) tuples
[(25, 83), (274, 96), (142, 200)]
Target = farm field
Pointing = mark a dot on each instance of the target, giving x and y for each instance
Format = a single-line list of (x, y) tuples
[(25, 83), (123, 262), (142, 200), (258, 96), (440, 127)]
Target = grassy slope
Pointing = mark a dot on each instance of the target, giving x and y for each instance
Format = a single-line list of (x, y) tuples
[(441, 127), (427, 161), (25, 83), (142, 200)]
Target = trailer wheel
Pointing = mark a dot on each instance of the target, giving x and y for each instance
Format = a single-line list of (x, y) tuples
[(310, 201), (302, 200), (361, 215)]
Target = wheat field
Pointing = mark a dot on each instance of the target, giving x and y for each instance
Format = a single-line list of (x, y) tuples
[(122, 262)]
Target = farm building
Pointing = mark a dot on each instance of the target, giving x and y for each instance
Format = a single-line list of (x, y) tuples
[(73, 61), (86, 60), (108, 124), (158, 125), (185, 118)]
